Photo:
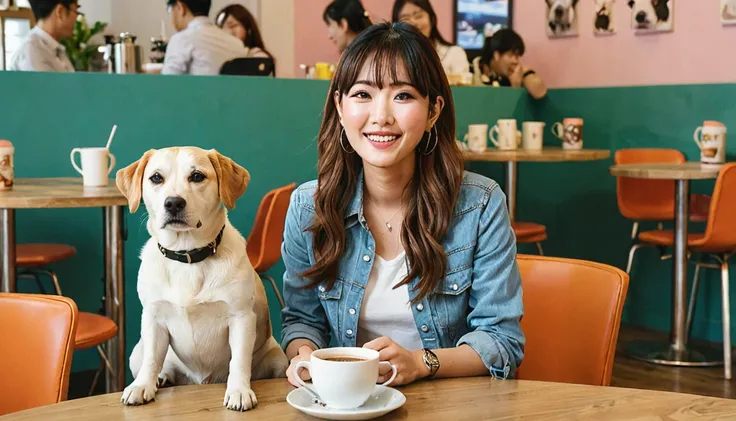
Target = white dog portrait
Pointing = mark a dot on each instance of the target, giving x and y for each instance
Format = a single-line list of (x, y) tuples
[(728, 12), (562, 18), (205, 314), (603, 22), (652, 15)]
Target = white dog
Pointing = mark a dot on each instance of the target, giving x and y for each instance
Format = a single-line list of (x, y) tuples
[(651, 15), (561, 17), (205, 315), (728, 14), (604, 16)]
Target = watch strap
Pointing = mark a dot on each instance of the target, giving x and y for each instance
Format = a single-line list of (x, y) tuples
[(432, 362)]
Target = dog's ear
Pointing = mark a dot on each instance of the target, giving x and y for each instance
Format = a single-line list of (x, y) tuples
[(549, 3), (232, 179), (575, 3), (631, 3), (130, 180)]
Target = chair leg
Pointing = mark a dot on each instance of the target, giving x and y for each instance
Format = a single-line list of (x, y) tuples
[(726, 320), (34, 275), (539, 249), (275, 288), (54, 279), (632, 252), (693, 295), (96, 378)]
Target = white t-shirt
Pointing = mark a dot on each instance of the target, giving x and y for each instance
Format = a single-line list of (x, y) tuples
[(386, 311), (454, 58)]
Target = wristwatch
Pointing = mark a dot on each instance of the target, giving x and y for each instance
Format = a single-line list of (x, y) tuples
[(432, 362)]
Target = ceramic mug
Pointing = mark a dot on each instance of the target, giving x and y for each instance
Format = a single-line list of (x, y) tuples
[(323, 70), (711, 139), (95, 169), (532, 137), (477, 137), (343, 384), (570, 131), (509, 138), (7, 174)]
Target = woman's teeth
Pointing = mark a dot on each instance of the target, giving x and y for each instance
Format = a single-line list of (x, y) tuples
[(382, 139)]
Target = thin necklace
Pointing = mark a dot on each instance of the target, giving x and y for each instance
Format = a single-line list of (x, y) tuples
[(388, 222)]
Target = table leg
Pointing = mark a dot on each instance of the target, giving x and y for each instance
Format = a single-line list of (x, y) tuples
[(511, 189), (7, 250), (115, 294), (678, 352)]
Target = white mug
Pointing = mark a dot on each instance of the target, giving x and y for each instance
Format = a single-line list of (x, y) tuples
[(339, 384), (509, 137), (532, 135), (7, 174), (95, 169), (711, 139), (570, 132), (477, 137)]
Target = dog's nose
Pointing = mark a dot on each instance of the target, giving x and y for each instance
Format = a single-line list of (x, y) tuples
[(174, 204), (559, 11), (641, 17)]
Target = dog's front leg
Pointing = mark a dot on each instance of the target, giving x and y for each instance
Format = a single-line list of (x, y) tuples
[(155, 341), (242, 335)]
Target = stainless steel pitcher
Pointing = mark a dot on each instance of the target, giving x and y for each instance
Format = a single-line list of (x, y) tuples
[(128, 55)]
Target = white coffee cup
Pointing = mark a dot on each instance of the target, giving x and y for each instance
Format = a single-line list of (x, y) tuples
[(340, 384), (532, 137), (95, 169), (711, 139), (477, 137), (509, 137), (7, 174)]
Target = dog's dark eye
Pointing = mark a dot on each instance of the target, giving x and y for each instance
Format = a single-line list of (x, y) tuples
[(156, 178), (197, 177)]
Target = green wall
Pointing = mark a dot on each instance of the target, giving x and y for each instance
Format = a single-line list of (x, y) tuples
[(269, 126)]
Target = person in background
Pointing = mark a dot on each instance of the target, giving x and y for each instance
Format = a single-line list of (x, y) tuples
[(420, 14), (345, 19), (199, 47), (236, 20), (42, 50), (501, 66)]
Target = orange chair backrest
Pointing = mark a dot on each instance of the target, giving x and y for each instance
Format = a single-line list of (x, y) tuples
[(36, 349), (720, 231), (572, 314), (642, 199), (264, 241)]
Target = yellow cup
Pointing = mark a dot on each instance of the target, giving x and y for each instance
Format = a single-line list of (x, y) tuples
[(323, 70)]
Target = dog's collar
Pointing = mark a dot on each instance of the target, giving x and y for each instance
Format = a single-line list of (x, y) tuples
[(193, 256)]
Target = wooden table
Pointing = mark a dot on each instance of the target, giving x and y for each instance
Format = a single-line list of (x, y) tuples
[(49, 193), (677, 352), (511, 158), (471, 399)]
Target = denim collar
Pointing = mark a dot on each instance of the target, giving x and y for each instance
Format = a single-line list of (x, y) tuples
[(354, 211)]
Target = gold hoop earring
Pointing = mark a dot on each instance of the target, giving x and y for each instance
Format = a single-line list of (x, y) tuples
[(428, 151), (342, 133)]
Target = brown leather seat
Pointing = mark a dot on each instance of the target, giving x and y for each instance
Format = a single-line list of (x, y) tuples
[(530, 233), (36, 349), (40, 255), (93, 330), (572, 314)]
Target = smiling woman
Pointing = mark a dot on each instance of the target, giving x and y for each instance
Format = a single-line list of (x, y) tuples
[(394, 247)]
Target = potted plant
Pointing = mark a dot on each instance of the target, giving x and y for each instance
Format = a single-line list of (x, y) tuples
[(78, 48)]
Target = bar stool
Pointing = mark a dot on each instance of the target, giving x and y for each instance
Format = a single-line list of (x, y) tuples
[(530, 233), (264, 240), (718, 242)]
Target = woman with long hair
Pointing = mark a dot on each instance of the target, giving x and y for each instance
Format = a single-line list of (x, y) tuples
[(395, 247), (421, 15), (345, 19), (240, 23)]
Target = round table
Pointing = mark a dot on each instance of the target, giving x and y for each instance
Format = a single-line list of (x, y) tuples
[(457, 399), (48, 193), (677, 352), (511, 158)]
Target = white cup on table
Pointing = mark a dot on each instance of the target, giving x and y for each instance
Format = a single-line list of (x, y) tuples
[(95, 168)]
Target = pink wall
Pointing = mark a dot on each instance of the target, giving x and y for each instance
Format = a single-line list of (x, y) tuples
[(700, 50)]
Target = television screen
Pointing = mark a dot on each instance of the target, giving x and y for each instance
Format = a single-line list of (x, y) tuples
[(475, 20)]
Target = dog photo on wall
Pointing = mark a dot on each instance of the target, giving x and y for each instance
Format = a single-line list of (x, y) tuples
[(728, 12), (603, 22), (562, 18), (652, 15)]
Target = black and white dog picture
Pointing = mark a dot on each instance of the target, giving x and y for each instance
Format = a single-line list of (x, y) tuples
[(562, 18), (603, 22), (728, 12), (652, 15)]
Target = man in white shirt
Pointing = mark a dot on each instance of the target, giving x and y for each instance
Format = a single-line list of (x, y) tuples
[(42, 51), (199, 47)]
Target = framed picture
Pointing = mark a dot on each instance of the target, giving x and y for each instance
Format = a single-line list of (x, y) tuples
[(4, 4), (728, 12), (652, 15), (476, 20), (562, 18), (603, 21)]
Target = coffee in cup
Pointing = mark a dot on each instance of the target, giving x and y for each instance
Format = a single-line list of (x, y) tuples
[(95, 169), (343, 378), (570, 132), (7, 172)]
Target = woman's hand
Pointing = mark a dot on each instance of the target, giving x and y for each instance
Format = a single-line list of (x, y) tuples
[(410, 365), (302, 355)]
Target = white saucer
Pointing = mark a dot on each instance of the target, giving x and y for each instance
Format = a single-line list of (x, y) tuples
[(382, 401)]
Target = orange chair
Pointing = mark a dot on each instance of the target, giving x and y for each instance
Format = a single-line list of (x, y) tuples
[(264, 241), (572, 314), (32, 260), (530, 233), (36, 351), (651, 200), (719, 242)]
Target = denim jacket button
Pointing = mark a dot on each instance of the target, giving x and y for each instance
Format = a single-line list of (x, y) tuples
[(321, 289), (349, 332), (366, 258), (454, 287), (420, 307), (351, 311), (425, 328)]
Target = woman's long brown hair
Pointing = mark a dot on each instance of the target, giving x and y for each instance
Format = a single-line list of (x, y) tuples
[(431, 195), (253, 38)]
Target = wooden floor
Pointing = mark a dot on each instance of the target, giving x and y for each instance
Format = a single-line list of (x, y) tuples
[(627, 372)]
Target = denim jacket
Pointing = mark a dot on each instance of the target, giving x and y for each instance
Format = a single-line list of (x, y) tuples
[(478, 303)]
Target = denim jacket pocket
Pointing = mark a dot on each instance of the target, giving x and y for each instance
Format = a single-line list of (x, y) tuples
[(330, 300), (451, 301)]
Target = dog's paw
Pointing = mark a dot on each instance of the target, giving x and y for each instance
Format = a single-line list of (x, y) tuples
[(240, 398), (139, 394)]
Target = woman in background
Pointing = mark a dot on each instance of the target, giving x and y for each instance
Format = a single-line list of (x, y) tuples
[(421, 15), (240, 23), (345, 19)]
